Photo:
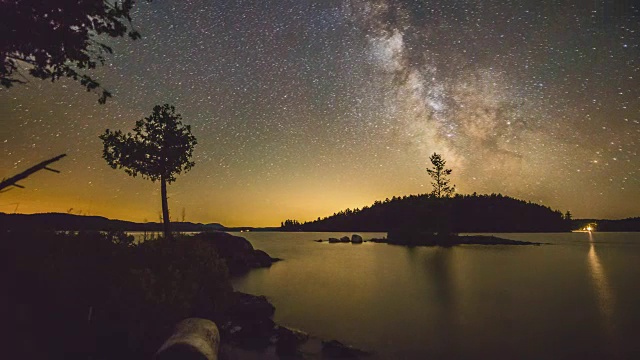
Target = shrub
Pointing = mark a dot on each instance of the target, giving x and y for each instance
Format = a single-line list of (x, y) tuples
[(98, 295)]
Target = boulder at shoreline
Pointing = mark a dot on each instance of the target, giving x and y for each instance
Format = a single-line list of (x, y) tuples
[(248, 321), (248, 332), (237, 252), (336, 349)]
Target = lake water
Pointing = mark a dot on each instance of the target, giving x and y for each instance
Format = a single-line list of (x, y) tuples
[(577, 298)]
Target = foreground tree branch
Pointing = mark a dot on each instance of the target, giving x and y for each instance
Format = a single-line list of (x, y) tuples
[(60, 39), (30, 171)]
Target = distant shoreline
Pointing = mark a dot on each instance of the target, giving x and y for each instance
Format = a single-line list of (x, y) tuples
[(72, 222)]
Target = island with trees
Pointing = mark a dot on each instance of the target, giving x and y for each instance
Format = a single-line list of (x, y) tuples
[(437, 218)]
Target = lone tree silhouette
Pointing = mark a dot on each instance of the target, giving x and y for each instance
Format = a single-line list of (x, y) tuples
[(440, 177), (159, 149), (55, 39)]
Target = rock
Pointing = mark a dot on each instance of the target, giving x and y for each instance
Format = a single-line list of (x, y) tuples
[(237, 252), (336, 349), (192, 339), (247, 306), (288, 341), (318, 240), (226, 245), (248, 321), (254, 334), (261, 259), (249, 332), (355, 238)]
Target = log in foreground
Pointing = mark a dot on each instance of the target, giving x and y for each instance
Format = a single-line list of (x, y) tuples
[(192, 339)]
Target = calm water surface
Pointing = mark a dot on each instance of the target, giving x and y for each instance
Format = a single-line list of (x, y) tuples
[(578, 297)]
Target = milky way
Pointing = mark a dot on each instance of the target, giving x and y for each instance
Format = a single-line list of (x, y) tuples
[(302, 109)]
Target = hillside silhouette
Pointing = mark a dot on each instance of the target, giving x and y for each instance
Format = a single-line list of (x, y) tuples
[(458, 214), (72, 222)]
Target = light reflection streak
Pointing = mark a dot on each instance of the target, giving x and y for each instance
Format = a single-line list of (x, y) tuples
[(603, 289)]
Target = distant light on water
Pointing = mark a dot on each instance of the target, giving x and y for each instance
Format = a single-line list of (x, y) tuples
[(603, 289)]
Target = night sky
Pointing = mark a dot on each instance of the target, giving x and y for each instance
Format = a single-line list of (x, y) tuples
[(305, 108)]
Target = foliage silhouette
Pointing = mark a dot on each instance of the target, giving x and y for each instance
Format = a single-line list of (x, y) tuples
[(290, 225), (440, 178), (59, 38), (73, 222), (159, 149), (568, 216), (458, 214), (97, 295)]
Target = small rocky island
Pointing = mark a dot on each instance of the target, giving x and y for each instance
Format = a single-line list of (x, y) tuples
[(430, 239), (355, 239)]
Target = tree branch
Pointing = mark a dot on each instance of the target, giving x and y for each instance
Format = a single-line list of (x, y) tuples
[(30, 171)]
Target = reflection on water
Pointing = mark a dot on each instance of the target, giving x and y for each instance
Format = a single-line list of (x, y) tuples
[(466, 302), (602, 287), (440, 273)]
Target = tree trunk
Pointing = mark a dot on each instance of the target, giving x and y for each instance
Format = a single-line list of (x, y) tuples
[(165, 209)]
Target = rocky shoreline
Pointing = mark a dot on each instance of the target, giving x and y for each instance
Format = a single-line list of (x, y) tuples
[(247, 330)]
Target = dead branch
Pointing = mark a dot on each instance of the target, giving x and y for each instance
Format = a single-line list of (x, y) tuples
[(23, 175)]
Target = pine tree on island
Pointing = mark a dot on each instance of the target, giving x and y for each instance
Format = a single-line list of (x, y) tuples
[(440, 176)]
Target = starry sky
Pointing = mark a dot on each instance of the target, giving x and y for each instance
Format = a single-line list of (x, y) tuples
[(305, 108)]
